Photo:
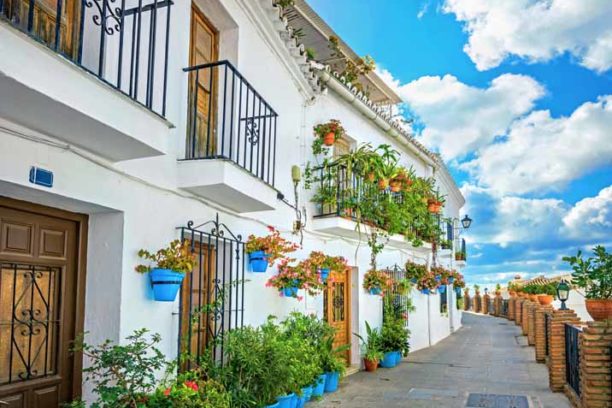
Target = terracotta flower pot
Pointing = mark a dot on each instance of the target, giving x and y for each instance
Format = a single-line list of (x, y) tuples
[(383, 183), (599, 309), (545, 300), (512, 294), (396, 185), (533, 298), (498, 293), (329, 139), (370, 365), (433, 208)]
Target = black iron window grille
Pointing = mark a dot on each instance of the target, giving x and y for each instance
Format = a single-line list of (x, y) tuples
[(29, 321), (123, 42), (397, 300), (572, 357), (504, 307), (228, 119), (212, 297)]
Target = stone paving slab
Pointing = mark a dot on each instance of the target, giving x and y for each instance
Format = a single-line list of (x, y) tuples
[(486, 356)]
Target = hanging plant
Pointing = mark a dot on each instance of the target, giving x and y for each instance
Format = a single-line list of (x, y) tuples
[(264, 251), (326, 264), (326, 134), (415, 271), (377, 282), (291, 278), (427, 284), (170, 265)]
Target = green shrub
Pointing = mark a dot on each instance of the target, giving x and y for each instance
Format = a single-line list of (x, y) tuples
[(593, 274)]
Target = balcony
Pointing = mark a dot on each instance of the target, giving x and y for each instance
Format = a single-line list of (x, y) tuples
[(230, 153), (90, 73), (340, 196)]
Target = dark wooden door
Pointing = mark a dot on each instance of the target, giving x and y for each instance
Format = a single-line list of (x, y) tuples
[(337, 308), (198, 294), (38, 307), (203, 85)]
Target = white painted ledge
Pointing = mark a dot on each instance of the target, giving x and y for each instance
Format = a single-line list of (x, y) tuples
[(50, 94), (349, 229), (227, 184)]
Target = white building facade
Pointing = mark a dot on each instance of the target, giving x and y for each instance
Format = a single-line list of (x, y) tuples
[(104, 103)]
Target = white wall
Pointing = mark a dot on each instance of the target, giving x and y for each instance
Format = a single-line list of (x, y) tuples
[(136, 204)]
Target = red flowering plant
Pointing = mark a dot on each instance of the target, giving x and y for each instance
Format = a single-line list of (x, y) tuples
[(440, 274), (375, 279), (459, 280), (273, 245), (427, 281), (301, 276), (337, 264)]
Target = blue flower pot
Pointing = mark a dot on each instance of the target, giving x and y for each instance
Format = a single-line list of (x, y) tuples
[(286, 401), (441, 289), (389, 360), (331, 382), (451, 281), (325, 274), (166, 284), (306, 394), (319, 387), (425, 291), (413, 280), (398, 357), (258, 261), (291, 291), (275, 405), (375, 291), (438, 278)]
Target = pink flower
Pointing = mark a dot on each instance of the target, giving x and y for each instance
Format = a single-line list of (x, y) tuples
[(167, 391)]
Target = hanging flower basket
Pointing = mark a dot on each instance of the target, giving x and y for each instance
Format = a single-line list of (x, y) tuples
[(258, 261), (171, 265), (441, 289), (291, 291), (375, 291), (325, 274), (425, 291), (376, 282), (166, 284)]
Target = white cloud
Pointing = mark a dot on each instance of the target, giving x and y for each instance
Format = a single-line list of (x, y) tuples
[(591, 217), (460, 118), (536, 30), (503, 220), (543, 153)]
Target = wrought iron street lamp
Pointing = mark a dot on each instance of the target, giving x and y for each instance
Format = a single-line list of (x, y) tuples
[(466, 222), (563, 290)]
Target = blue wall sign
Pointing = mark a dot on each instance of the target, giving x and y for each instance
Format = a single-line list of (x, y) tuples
[(41, 177)]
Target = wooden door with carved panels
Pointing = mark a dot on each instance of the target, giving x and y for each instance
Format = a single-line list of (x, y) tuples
[(337, 308), (40, 305)]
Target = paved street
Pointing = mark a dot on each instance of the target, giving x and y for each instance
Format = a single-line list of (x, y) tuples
[(487, 356)]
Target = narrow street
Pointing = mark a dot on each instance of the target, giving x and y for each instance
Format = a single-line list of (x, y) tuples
[(487, 356)]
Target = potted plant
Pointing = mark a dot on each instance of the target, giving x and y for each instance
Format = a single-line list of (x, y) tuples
[(427, 284), (327, 134), (167, 268), (371, 348), (387, 168), (477, 290), (393, 341), (376, 282), (547, 294), (594, 275), (498, 290), (264, 251), (333, 363), (291, 278), (326, 264), (415, 271)]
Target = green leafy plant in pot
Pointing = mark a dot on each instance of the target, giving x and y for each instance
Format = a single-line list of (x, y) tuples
[(167, 268), (594, 275), (371, 348)]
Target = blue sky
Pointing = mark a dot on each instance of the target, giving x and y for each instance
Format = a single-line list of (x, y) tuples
[(520, 107)]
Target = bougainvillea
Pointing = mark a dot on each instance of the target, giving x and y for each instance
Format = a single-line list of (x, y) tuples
[(274, 246), (375, 279)]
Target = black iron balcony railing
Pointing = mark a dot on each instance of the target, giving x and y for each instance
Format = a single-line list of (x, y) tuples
[(228, 119), (572, 357), (122, 42), (339, 192)]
